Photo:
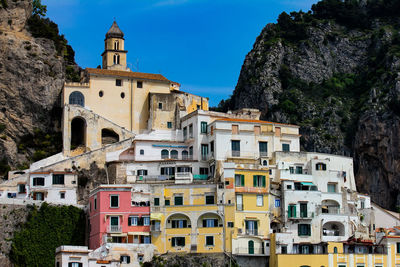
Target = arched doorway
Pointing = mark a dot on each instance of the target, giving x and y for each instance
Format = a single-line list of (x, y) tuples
[(77, 98), (108, 136), (78, 133)]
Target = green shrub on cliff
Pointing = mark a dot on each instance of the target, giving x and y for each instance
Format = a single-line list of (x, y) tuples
[(47, 228)]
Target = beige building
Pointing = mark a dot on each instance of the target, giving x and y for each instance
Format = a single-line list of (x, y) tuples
[(114, 103)]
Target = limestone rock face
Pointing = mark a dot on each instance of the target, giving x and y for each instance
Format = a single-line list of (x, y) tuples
[(341, 84), (31, 80)]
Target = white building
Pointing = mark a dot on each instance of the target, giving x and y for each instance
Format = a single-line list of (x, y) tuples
[(54, 187)]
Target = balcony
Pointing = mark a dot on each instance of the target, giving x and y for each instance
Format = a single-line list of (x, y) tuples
[(301, 216), (249, 251), (155, 228), (114, 229), (183, 177), (251, 231), (235, 153), (263, 154)]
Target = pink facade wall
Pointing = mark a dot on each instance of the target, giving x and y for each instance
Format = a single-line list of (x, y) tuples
[(100, 217)]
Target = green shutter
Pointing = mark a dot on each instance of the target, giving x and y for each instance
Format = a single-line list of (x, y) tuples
[(289, 212), (254, 180), (256, 225), (263, 181), (242, 180)]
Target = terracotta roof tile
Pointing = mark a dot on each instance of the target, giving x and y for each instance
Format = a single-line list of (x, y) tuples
[(129, 74)]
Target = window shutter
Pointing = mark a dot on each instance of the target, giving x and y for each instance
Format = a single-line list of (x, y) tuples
[(255, 225), (294, 211), (308, 229), (204, 223), (129, 259), (183, 239), (247, 225), (254, 180), (173, 241), (263, 181), (215, 222), (299, 229), (184, 223), (129, 221), (80, 264), (242, 180)]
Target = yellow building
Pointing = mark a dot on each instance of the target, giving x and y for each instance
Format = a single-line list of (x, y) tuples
[(186, 218), (250, 220)]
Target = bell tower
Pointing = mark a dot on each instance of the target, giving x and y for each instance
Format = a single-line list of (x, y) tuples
[(114, 55)]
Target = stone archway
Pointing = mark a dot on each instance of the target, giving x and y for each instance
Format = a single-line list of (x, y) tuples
[(108, 136), (78, 133)]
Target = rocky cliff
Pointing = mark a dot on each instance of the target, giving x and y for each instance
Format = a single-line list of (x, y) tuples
[(32, 74), (335, 72)]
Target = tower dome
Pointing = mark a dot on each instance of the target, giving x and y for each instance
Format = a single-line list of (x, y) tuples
[(114, 31)]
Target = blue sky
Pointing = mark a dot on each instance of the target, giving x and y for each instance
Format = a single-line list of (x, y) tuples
[(198, 43)]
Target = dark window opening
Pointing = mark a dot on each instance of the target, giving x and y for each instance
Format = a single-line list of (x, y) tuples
[(118, 82), (58, 178), (78, 129), (139, 84), (108, 136)]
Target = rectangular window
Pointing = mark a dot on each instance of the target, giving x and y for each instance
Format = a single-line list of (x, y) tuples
[(291, 170), (114, 201), (203, 128), (178, 241), (210, 200), (204, 151), (304, 229), (141, 172), (95, 202), (169, 125), (38, 181), (398, 247), (125, 259), (203, 171), (230, 224), (259, 181), (277, 203), (191, 131), (146, 221), (118, 82), (21, 188), (133, 220), (235, 148), (139, 84), (284, 250), (210, 223), (58, 178), (363, 204), (178, 200), (251, 227), (209, 240), (239, 180), (156, 201), (263, 148), (178, 224), (235, 129), (62, 195), (299, 170), (285, 147), (303, 210), (332, 188), (160, 106), (184, 133), (167, 202), (292, 211), (239, 202), (260, 200)]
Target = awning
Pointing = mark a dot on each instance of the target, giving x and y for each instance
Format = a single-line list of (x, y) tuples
[(156, 216), (307, 183), (138, 233)]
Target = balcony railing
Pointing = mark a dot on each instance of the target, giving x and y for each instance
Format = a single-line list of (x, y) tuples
[(263, 154), (114, 229), (249, 251), (155, 228), (251, 232), (235, 153), (301, 215)]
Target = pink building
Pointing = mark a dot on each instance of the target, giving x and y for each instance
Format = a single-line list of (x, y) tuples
[(119, 214)]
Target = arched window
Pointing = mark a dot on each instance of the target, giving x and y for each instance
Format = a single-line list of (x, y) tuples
[(335, 250), (116, 59), (251, 247), (78, 132), (174, 154), (320, 166), (265, 163), (185, 155), (77, 98), (164, 154), (116, 45)]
